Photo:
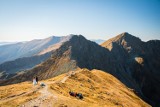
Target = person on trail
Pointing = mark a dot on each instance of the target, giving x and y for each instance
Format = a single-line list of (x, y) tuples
[(79, 95), (37, 79), (34, 81)]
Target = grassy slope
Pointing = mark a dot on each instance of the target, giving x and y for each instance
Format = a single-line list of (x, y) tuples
[(99, 89), (16, 94)]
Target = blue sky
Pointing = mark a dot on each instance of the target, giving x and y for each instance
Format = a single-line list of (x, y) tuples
[(23, 20)]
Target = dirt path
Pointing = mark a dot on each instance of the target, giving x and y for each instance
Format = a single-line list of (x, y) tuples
[(69, 74), (46, 99)]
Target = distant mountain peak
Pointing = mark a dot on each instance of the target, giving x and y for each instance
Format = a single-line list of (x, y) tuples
[(124, 39), (98, 41), (125, 35)]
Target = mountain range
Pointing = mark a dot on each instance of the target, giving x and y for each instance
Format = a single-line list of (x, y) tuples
[(98, 41), (11, 65), (134, 62), (6, 43), (26, 49), (21, 56)]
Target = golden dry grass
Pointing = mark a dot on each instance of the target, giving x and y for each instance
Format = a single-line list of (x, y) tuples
[(16, 94), (16, 89), (20, 100), (100, 89)]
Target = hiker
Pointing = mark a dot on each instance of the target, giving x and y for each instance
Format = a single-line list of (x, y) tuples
[(79, 95), (34, 81), (37, 79), (73, 94)]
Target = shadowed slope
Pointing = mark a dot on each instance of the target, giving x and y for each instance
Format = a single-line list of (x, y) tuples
[(141, 60)]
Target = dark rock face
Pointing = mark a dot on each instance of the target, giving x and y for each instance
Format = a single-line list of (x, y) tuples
[(141, 60), (89, 55), (151, 70), (133, 62)]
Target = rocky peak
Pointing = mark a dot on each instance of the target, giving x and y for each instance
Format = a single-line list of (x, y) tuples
[(140, 60), (126, 41)]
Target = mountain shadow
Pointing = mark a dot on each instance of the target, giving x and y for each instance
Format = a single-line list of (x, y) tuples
[(141, 61)]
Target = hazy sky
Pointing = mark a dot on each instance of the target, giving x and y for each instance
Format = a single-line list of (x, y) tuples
[(22, 20)]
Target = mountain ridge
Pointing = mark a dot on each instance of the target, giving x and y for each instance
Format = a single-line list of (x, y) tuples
[(27, 49), (141, 61), (99, 89), (11, 68), (127, 61), (84, 59)]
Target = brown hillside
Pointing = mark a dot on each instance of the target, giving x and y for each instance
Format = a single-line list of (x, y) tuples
[(99, 89)]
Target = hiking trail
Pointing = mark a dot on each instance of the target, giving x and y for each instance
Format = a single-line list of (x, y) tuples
[(47, 99), (44, 100)]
